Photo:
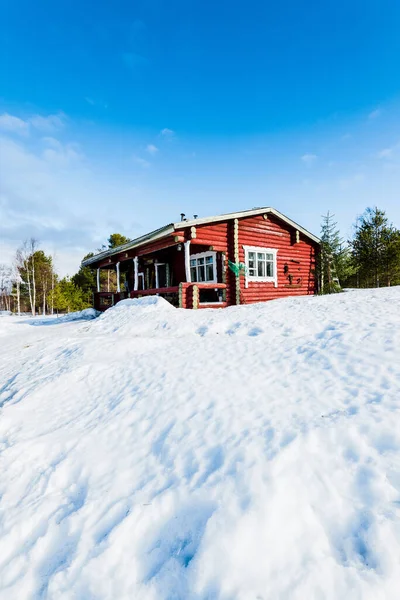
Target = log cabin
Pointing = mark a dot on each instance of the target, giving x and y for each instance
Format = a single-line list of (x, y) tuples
[(213, 262)]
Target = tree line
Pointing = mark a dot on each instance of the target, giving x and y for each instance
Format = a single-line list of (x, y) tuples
[(32, 284), (370, 259)]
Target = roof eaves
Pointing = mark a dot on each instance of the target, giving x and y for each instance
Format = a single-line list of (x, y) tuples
[(246, 213), (148, 237)]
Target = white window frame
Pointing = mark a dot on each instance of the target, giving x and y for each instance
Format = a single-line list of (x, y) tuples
[(156, 265), (256, 278), (204, 255)]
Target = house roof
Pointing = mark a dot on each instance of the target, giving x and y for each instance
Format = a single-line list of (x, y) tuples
[(169, 229)]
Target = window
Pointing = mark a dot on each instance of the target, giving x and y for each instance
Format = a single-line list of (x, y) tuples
[(203, 267), (260, 264)]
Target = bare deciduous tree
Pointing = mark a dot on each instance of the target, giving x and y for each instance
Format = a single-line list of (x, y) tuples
[(25, 261)]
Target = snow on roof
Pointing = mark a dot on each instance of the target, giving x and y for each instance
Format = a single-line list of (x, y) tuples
[(170, 228)]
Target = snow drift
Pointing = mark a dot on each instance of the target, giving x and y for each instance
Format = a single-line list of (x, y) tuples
[(156, 453)]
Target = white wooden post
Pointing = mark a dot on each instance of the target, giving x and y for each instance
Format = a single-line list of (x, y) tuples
[(156, 270), (118, 282), (98, 279), (136, 274), (187, 261)]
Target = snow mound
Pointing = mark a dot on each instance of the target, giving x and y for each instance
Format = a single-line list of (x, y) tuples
[(82, 315), (137, 316), (147, 303), (5, 313), (156, 453)]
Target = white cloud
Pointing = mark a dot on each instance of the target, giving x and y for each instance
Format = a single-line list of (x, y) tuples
[(48, 124), (309, 159), (61, 154), (167, 132), (142, 162), (14, 124), (151, 149), (89, 100), (386, 153), (374, 114), (63, 199)]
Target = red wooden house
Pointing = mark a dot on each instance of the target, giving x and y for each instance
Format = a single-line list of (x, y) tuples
[(237, 258)]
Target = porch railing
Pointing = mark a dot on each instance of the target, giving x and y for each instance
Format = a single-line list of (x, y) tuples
[(184, 295)]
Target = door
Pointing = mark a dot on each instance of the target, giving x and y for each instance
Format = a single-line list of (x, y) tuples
[(161, 275)]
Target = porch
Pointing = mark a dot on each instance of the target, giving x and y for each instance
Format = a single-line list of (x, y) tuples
[(185, 295), (186, 275)]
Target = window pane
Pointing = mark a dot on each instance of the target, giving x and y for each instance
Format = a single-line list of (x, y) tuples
[(209, 259), (209, 272), (261, 268), (260, 256), (252, 272), (252, 255), (269, 257), (201, 274), (192, 262), (193, 274), (270, 269), (200, 261)]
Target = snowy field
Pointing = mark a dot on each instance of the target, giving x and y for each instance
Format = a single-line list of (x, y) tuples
[(251, 453)]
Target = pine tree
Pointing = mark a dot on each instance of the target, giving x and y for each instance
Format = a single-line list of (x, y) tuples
[(334, 261), (85, 279), (117, 239), (376, 250)]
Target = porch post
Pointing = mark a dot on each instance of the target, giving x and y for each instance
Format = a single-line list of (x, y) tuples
[(118, 282), (136, 274), (156, 270), (98, 279), (187, 261)]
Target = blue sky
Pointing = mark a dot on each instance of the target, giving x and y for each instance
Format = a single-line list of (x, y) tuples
[(119, 116)]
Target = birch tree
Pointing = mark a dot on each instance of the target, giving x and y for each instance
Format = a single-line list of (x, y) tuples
[(25, 260), (5, 287)]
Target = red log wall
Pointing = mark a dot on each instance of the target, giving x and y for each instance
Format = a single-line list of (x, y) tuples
[(266, 233), (299, 258)]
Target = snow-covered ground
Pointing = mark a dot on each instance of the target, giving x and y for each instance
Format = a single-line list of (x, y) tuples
[(157, 454)]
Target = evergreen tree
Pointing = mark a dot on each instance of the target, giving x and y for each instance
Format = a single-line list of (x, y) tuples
[(67, 297), (334, 262), (376, 250), (85, 279), (117, 239)]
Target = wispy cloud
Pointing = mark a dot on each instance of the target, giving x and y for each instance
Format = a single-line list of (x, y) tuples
[(48, 124), (56, 198), (151, 149), (142, 162), (386, 153), (309, 159), (89, 100), (375, 114), (168, 133), (13, 124), (61, 154)]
